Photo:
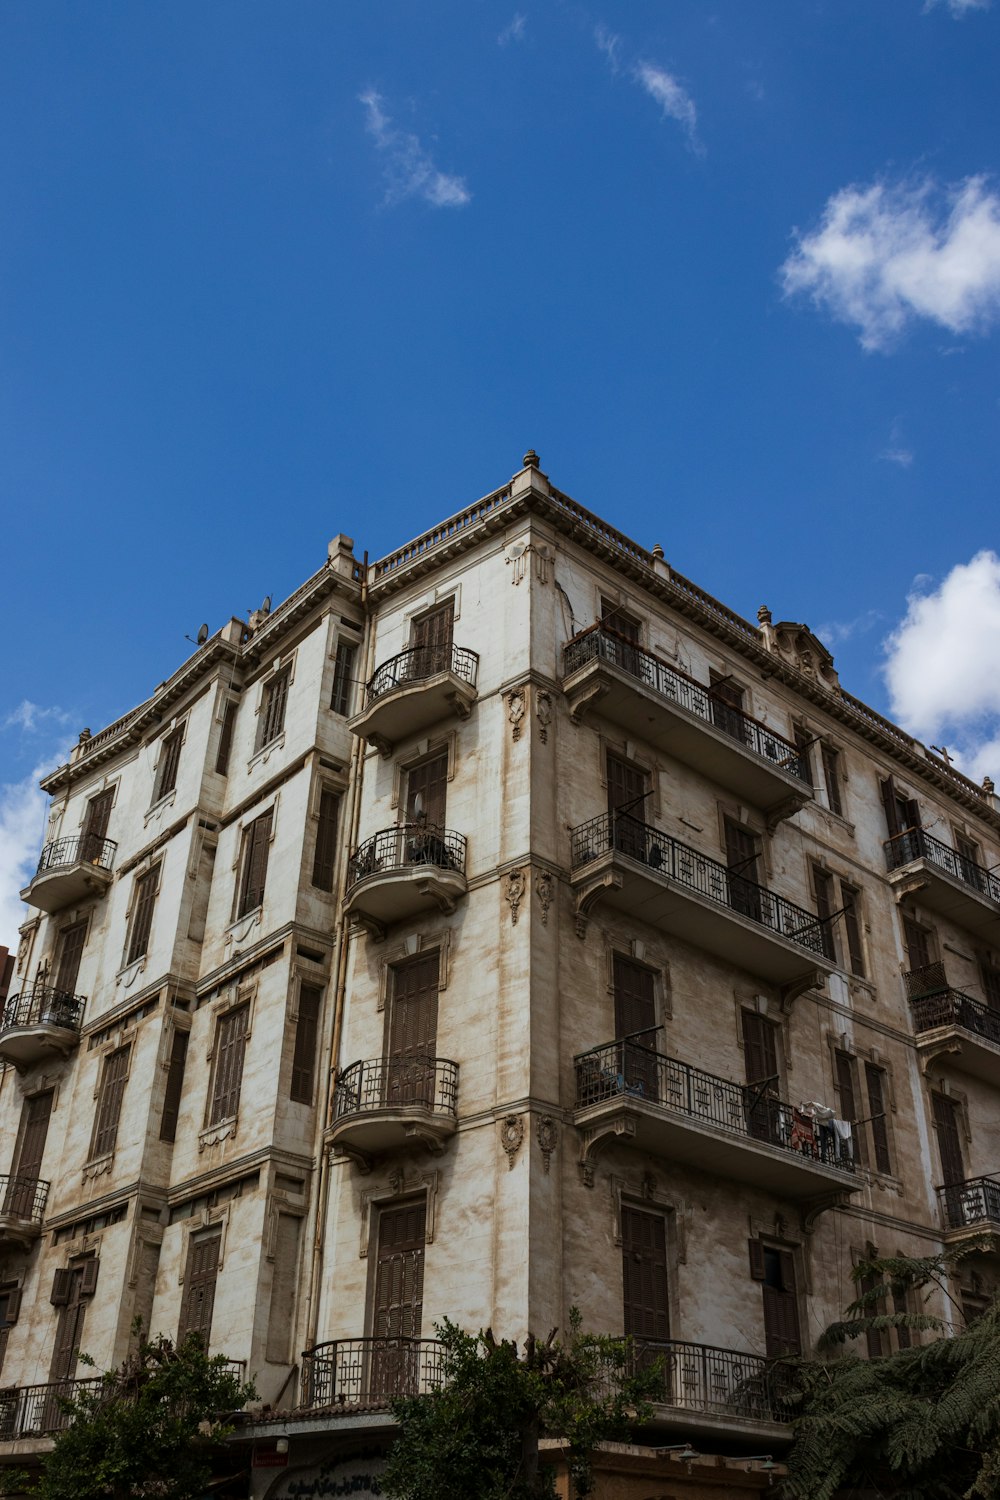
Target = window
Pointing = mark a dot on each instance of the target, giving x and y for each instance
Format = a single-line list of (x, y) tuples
[(804, 742), (901, 812), (774, 1268), (849, 901), (143, 899), (326, 840), (875, 1081), (831, 778), (306, 1036), (843, 1064), (10, 1306), (230, 1047), (114, 1077), (175, 1083), (411, 1038), (635, 1018), (432, 638), (71, 945), (32, 1132), (226, 737), (644, 1274), (272, 713), (427, 790), (877, 1340), (343, 677), (170, 759), (200, 1275), (253, 863), (949, 1138), (398, 1289), (837, 908), (95, 826), (743, 864), (726, 699), (613, 617), (72, 1288), (989, 975), (823, 887), (760, 1062)]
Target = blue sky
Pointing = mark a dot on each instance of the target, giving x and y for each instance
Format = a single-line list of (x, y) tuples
[(269, 272)]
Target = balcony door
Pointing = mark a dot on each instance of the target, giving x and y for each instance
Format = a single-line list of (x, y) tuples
[(644, 1274), (635, 1017), (432, 638), (71, 945), (743, 864), (28, 1153), (398, 1298), (628, 787), (760, 1061), (95, 828), (426, 803), (412, 1037), (775, 1269), (69, 1329)]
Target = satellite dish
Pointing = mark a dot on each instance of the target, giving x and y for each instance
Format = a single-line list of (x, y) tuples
[(516, 550), (202, 634), (265, 608)]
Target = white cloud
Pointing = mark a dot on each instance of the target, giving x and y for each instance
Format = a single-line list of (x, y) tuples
[(31, 718), (903, 457), (409, 169), (609, 44), (834, 632), (940, 664), (23, 811), (884, 256), (514, 30), (960, 8), (671, 96)]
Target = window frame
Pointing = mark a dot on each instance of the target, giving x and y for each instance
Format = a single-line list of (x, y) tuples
[(226, 1080), (274, 690), (252, 839), (110, 1098), (168, 762), (141, 914)]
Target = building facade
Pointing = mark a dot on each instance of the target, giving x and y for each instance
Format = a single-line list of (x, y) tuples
[(502, 927)]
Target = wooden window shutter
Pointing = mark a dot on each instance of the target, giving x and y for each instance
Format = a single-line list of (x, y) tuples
[(170, 762), (823, 886), (891, 805), (831, 775), (109, 1101), (230, 1046), (13, 1306), (61, 1283), (226, 738), (98, 816), (175, 1083), (71, 945), (144, 897), (256, 845), (280, 1322), (306, 1034), (877, 1106), (343, 671), (272, 718), (852, 928), (756, 1260), (918, 952), (200, 1275), (88, 1281), (326, 840)]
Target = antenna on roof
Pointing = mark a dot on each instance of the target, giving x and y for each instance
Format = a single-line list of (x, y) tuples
[(202, 636), (265, 608)]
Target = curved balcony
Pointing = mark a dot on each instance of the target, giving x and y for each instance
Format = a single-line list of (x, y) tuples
[(955, 1029), (392, 1102), (414, 690), (40, 1021), (947, 881), (71, 870), (22, 1206), (628, 1092), (970, 1210), (30, 1411), (402, 871), (624, 863), (655, 702), (704, 1388), (370, 1371)]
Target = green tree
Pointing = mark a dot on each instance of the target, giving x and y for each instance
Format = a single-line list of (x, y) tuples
[(477, 1437), (147, 1430), (922, 1423)]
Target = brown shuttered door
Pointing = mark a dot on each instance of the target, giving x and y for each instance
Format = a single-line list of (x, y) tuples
[(848, 1104), (399, 1295), (226, 738), (280, 1321), (143, 899), (413, 1032), (256, 844), (200, 1276), (71, 944), (627, 786), (877, 1109), (831, 775), (170, 761), (343, 672), (69, 1329), (823, 887), (742, 856), (326, 840), (990, 976), (230, 1046), (28, 1154), (175, 1083), (635, 1012), (949, 1140), (644, 1274), (918, 953), (852, 928), (781, 1313), (272, 718), (304, 1057), (429, 782), (95, 827), (760, 1061), (109, 1101), (433, 636)]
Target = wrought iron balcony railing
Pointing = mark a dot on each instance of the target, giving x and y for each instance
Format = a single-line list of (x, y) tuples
[(973, 1202), (23, 1198), (420, 662), (604, 644), (84, 849), (406, 845), (370, 1371), (37, 1410), (669, 857), (626, 1069), (723, 1382), (43, 1005), (914, 843), (952, 1008), (387, 1083)]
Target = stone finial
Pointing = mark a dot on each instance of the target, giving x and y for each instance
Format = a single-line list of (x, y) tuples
[(84, 736), (657, 551), (988, 786), (764, 615), (531, 460)]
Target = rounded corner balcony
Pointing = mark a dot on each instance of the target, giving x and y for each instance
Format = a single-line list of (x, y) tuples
[(947, 881), (414, 690), (370, 1372), (40, 1021), (665, 707), (390, 1103), (402, 871), (953, 1029), (71, 870), (970, 1213), (22, 1208)]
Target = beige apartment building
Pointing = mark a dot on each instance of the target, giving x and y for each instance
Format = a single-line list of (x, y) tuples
[(501, 927)]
